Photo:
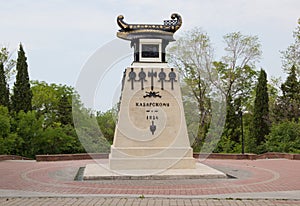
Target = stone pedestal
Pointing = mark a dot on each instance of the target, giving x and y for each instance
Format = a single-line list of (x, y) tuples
[(151, 131)]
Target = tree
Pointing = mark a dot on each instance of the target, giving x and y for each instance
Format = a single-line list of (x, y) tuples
[(55, 140), (8, 63), (88, 131), (76, 146), (4, 122), (288, 105), (237, 74), (29, 128), (22, 95), (53, 102), (291, 87), (192, 54), (231, 134), (107, 124), (10, 143), (260, 122), (64, 110), (291, 56), (274, 90), (236, 69), (4, 90)]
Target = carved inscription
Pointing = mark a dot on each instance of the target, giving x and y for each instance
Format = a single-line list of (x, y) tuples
[(151, 115), (152, 75), (152, 104), (142, 76), (152, 94), (132, 76), (172, 78), (152, 128), (161, 76)]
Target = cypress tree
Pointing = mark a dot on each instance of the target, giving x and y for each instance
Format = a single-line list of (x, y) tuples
[(22, 94), (290, 88), (4, 90), (260, 122), (288, 105)]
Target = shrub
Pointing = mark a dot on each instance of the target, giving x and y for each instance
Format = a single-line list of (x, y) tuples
[(284, 137)]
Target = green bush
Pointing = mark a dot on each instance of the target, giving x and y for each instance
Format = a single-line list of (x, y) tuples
[(284, 137), (4, 121)]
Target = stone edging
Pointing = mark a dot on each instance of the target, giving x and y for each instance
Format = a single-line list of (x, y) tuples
[(268, 155), (82, 156)]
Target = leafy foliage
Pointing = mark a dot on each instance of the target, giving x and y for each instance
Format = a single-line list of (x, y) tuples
[(291, 56), (48, 129), (10, 143), (231, 133), (4, 90), (237, 74), (55, 140), (236, 68), (284, 137), (64, 110), (88, 131), (44, 116), (7, 62), (4, 121), (193, 55), (53, 101), (29, 128), (107, 124), (291, 88)]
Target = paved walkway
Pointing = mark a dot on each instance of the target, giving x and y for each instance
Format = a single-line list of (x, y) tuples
[(89, 201), (259, 182)]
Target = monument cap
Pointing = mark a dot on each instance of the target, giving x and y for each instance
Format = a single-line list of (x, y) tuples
[(149, 40), (139, 31)]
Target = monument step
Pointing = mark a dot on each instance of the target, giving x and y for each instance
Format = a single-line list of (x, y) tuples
[(150, 152), (136, 163)]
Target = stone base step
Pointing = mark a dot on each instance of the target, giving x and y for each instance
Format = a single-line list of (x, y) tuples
[(151, 163), (150, 152)]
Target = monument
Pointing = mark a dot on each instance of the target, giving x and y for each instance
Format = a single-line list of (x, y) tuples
[(151, 137), (151, 132)]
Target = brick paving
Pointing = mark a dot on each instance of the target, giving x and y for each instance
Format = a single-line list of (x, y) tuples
[(54, 182), (93, 201)]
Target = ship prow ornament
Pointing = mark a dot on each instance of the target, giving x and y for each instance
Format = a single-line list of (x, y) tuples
[(165, 30)]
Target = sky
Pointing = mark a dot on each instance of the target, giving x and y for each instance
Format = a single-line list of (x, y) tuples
[(60, 36)]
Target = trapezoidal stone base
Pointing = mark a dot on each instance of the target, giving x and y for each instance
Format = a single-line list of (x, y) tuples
[(151, 132)]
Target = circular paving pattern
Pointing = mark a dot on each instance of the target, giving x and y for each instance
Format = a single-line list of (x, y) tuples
[(58, 178)]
